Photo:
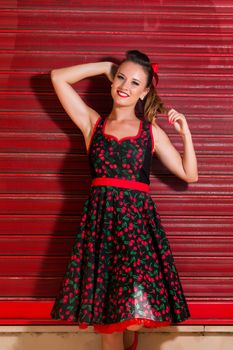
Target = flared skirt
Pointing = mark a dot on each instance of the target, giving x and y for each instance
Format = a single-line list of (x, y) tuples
[(121, 269)]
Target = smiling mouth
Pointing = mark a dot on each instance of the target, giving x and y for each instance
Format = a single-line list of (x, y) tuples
[(122, 94)]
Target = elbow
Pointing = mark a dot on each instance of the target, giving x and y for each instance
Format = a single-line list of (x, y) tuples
[(53, 74), (192, 179)]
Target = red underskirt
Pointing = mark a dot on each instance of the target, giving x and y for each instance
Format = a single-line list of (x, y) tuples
[(121, 326)]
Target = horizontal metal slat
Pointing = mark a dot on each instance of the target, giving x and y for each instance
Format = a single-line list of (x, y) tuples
[(61, 122), (204, 266), (37, 311), (61, 225), (48, 287), (53, 266), (92, 41), (180, 246), (208, 287), (136, 5), (176, 83), (101, 20), (70, 205), (66, 163), (65, 143), (169, 63), (73, 184), (189, 104), (167, 205)]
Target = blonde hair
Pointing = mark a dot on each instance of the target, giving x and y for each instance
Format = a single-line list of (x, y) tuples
[(153, 105)]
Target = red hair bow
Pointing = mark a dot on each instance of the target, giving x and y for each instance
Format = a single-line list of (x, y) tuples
[(155, 67), (155, 77)]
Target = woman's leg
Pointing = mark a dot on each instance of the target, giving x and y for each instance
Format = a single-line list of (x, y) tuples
[(128, 336), (113, 341), (119, 340)]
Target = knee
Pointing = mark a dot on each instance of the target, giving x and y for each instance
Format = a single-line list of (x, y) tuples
[(111, 338), (135, 327)]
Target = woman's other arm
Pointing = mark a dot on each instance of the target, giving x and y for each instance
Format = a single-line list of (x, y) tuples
[(184, 166)]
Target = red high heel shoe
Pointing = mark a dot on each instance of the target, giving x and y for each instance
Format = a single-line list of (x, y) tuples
[(135, 342)]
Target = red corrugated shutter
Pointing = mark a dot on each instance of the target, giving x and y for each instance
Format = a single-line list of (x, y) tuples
[(44, 166)]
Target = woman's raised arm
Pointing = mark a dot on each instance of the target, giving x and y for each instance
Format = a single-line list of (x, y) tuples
[(62, 78)]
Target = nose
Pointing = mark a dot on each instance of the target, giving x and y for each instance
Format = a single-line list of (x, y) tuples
[(124, 84)]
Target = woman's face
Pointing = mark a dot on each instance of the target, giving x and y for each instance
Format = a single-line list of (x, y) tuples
[(129, 84)]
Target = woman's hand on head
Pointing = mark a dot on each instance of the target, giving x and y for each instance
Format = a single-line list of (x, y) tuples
[(179, 121), (111, 69)]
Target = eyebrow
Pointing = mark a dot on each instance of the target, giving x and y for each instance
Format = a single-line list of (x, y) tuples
[(133, 78)]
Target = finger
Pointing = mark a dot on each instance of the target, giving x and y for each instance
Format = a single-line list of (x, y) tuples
[(173, 114), (177, 115), (171, 111), (174, 119)]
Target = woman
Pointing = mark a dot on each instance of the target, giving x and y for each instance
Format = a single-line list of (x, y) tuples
[(121, 275)]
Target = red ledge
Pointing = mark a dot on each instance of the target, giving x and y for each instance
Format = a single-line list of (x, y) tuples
[(38, 312)]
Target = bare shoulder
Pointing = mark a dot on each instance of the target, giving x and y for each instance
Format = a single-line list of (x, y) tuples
[(157, 132)]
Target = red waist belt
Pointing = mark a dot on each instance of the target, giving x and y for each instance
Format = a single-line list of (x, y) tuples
[(112, 181)]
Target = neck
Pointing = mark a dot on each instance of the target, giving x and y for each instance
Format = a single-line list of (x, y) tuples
[(122, 113)]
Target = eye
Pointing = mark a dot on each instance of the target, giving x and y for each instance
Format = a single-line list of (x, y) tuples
[(120, 77), (135, 83)]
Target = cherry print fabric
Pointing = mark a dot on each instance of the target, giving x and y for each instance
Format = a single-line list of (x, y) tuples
[(121, 270)]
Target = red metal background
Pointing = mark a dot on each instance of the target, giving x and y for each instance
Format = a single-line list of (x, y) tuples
[(44, 166)]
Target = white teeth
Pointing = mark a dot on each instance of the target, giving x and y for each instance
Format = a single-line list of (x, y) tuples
[(123, 94)]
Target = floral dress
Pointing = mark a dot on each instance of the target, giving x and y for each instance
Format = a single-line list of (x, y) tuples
[(121, 270)]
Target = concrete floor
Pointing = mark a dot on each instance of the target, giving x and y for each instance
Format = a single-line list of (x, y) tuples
[(72, 338)]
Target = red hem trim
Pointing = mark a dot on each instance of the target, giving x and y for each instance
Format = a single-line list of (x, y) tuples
[(93, 132), (123, 138), (152, 139), (121, 326), (111, 181)]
